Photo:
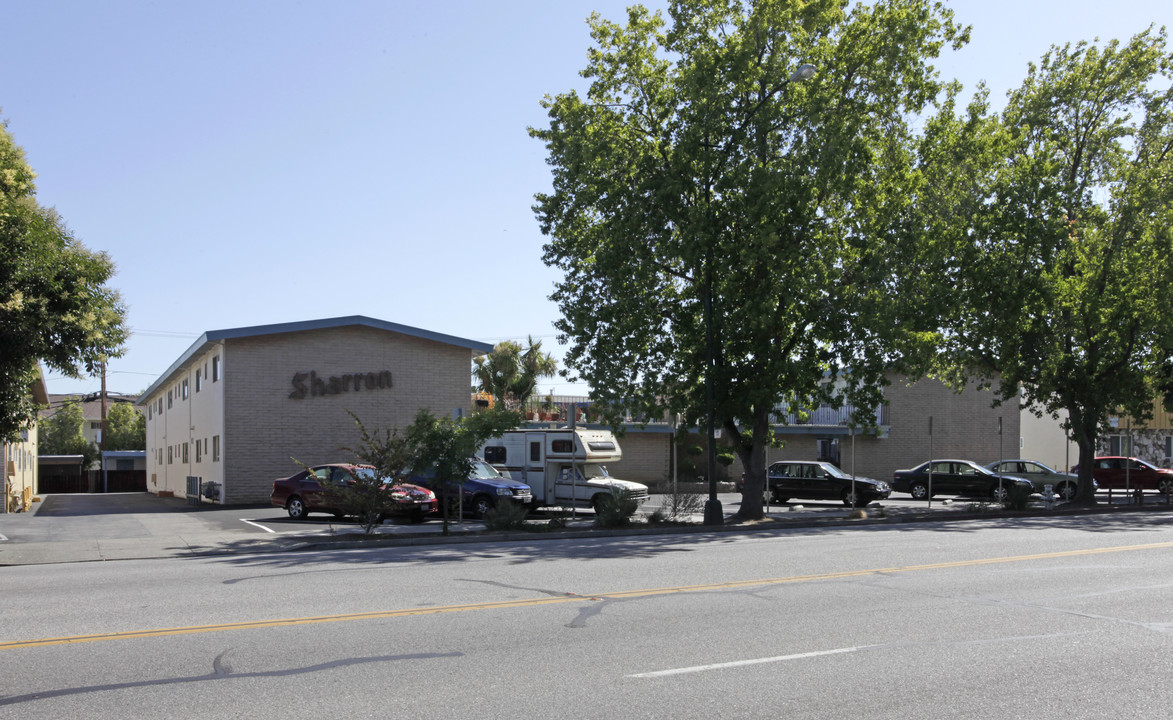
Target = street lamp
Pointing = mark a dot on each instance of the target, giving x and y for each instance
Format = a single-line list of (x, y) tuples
[(714, 515)]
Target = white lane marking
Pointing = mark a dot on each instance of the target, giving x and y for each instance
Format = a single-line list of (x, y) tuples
[(742, 663), (250, 522)]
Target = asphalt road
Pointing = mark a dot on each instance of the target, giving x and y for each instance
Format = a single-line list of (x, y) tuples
[(1037, 618)]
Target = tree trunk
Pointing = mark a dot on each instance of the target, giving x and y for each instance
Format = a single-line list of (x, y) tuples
[(754, 462), (1085, 438)]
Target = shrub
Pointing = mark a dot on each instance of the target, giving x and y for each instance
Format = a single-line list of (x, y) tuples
[(682, 503), (1018, 498), (615, 510), (507, 515)]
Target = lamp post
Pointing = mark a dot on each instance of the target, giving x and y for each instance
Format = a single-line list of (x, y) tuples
[(714, 515)]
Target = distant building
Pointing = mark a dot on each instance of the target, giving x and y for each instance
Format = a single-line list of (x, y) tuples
[(91, 410), (242, 407)]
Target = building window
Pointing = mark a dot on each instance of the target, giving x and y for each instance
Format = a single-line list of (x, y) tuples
[(170, 454), (1120, 445), (495, 454), (199, 381), (185, 455), (150, 410), (216, 368), (1168, 447), (184, 386), (168, 399), (160, 460), (215, 448), (199, 455), (95, 425)]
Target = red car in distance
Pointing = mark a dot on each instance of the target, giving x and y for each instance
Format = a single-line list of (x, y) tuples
[(302, 493), (1120, 473)]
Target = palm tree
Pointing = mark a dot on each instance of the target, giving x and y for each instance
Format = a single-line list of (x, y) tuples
[(510, 373)]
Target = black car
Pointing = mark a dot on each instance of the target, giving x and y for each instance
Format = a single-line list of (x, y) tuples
[(813, 480), (956, 477)]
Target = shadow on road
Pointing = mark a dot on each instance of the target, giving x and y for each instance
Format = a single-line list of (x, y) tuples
[(522, 549)]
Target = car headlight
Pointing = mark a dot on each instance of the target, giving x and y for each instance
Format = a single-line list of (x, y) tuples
[(504, 491)]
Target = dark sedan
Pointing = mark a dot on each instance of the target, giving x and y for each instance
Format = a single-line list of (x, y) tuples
[(303, 492), (1063, 484), (813, 480), (956, 477)]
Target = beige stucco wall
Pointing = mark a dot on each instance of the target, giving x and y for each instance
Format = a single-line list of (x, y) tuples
[(21, 459), (198, 418), (965, 425), (264, 428)]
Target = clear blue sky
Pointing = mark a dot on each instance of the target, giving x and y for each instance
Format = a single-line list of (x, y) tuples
[(248, 163)]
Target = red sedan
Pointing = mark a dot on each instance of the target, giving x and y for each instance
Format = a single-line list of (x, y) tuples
[(302, 493)]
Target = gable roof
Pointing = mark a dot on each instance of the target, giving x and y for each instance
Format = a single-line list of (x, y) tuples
[(213, 337)]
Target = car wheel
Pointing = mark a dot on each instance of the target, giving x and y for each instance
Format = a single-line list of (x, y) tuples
[(339, 516), (1165, 486), (1067, 490), (919, 491), (296, 508), (778, 499), (854, 500), (999, 493), (482, 504), (416, 516)]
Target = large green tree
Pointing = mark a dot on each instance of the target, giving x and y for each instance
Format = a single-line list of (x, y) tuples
[(704, 164), (62, 433), (126, 428), (55, 306), (510, 373), (1055, 222)]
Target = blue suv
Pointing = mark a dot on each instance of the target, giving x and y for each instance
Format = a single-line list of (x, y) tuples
[(480, 492)]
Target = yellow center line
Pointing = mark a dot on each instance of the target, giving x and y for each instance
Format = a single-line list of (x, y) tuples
[(570, 597)]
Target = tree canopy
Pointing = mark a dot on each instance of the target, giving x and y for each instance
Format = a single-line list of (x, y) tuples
[(1053, 230), (702, 165), (62, 433), (55, 306), (126, 428)]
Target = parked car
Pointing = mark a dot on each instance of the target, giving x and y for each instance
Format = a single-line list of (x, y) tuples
[(303, 492), (1063, 484), (482, 489), (1120, 473), (956, 477), (813, 480)]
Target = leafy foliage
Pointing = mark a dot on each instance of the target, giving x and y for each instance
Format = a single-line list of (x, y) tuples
[(698, 168), (510, 373), (616, 510), (447, 445), (126, 428), (55, 306), (62, 434), (1053, 227), (388, 453)]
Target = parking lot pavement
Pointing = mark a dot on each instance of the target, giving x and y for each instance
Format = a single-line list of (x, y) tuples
[(92, 527)]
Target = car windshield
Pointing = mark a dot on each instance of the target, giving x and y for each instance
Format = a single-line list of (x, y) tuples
[(366, 473), (587, 472), (482, 470), (834, 471)]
